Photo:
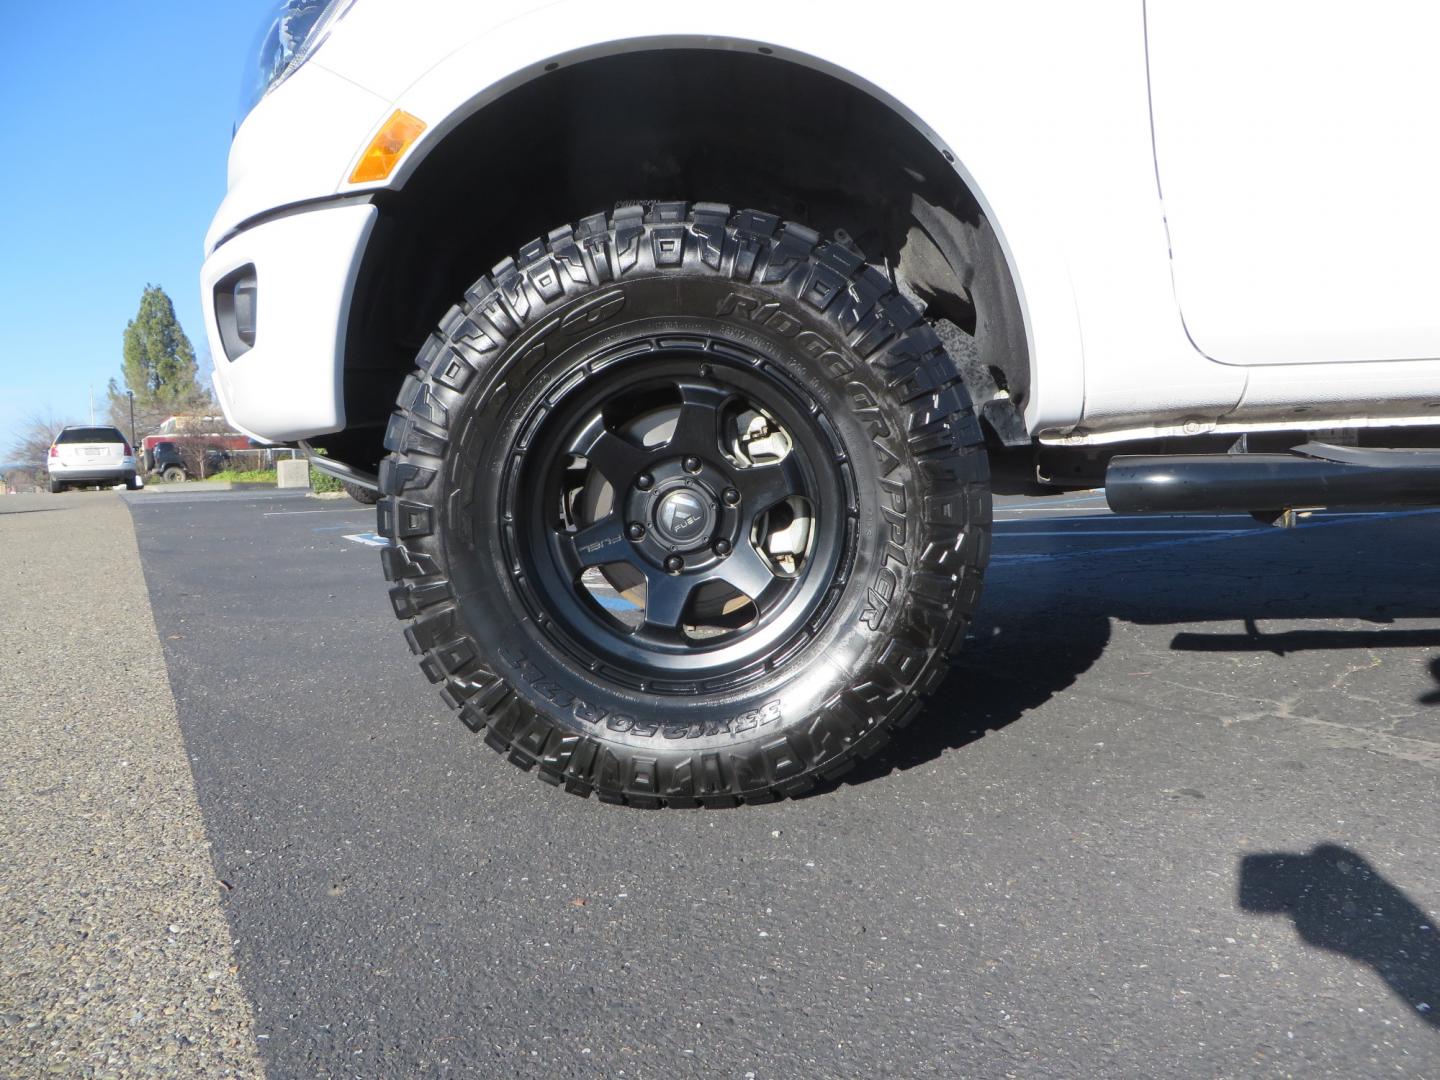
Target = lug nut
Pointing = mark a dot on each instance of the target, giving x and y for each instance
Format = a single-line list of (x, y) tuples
[(731, 497), (722, 547), (644, 481), (635, 531), (692, 464), (674, 564)]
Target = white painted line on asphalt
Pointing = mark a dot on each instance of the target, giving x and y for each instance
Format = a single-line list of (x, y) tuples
[(369, 539), (347, 510), (1054, 501)]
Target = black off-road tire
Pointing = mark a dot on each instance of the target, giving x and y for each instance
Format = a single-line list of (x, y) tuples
[(765, 298), (360, 494), (173, 474)]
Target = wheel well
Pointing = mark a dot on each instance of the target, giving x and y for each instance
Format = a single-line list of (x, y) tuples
[(673, 124)]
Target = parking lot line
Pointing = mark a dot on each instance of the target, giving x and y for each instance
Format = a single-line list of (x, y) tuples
[(369, 539), (342, 510)]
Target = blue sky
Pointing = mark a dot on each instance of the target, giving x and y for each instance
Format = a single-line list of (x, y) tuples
[(115, 119)]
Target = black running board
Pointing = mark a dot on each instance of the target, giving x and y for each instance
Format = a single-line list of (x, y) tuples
[(1312, 476), (338, 469)]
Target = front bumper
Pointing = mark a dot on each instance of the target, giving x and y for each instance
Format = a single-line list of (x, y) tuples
[(289, 384)]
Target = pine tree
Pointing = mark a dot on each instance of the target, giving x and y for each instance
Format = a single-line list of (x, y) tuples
[(158, 367)]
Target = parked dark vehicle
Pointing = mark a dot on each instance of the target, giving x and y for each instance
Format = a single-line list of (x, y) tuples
[(360, 493), (175, 463)]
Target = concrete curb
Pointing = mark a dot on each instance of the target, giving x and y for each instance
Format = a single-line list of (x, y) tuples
[(115, 955)]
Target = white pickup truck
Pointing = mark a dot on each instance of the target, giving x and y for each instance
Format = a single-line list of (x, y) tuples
[(678, 339)]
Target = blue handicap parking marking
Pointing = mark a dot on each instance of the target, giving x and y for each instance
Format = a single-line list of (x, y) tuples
[(370, 539), (616, 603)]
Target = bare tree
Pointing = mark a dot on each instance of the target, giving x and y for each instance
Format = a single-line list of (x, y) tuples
[(31, 444), (198, 454)]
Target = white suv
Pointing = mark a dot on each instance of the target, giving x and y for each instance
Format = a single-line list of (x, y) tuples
[(678, 338), (90, 456)]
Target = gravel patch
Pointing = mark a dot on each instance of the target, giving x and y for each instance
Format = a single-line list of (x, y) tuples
[(115, 957)]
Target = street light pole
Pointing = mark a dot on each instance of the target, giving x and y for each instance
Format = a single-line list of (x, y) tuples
[(131, 395)]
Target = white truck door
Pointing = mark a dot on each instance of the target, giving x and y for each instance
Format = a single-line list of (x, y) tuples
[(1298, 149)]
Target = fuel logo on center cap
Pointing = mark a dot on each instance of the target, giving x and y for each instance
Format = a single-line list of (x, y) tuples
[(682, 517)]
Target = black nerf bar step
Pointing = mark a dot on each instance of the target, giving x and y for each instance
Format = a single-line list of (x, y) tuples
[(1311, 476), (346, 474)]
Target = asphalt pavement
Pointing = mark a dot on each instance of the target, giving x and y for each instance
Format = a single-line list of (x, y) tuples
[(1174, 813)]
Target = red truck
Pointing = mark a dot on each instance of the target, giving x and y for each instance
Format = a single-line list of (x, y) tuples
[(212, 431), (192, 446)]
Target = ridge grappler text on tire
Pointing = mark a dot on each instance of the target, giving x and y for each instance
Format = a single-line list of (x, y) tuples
[(686, 507)]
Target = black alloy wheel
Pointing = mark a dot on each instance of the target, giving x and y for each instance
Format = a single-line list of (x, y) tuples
[(683, 518)]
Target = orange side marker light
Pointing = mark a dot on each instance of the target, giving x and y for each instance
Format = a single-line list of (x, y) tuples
[(395, 136)]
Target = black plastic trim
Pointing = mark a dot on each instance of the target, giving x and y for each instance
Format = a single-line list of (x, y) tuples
[(237, 328), (304, 206)]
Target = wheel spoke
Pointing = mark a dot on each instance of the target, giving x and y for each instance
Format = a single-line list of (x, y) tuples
[(747, 571), (666, 596), (697, 429), (762, 486), (618, 459), (598, 544)]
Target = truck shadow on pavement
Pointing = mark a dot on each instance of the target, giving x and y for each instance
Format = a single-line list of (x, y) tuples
[(1433, 697), (1293, 641), (1005, 670), (1045, 623), (1340, 903)]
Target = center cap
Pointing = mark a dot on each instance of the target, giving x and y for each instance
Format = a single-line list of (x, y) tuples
[(683, 518)]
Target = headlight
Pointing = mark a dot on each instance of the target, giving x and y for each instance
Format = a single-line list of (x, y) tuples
[(292, 33)]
